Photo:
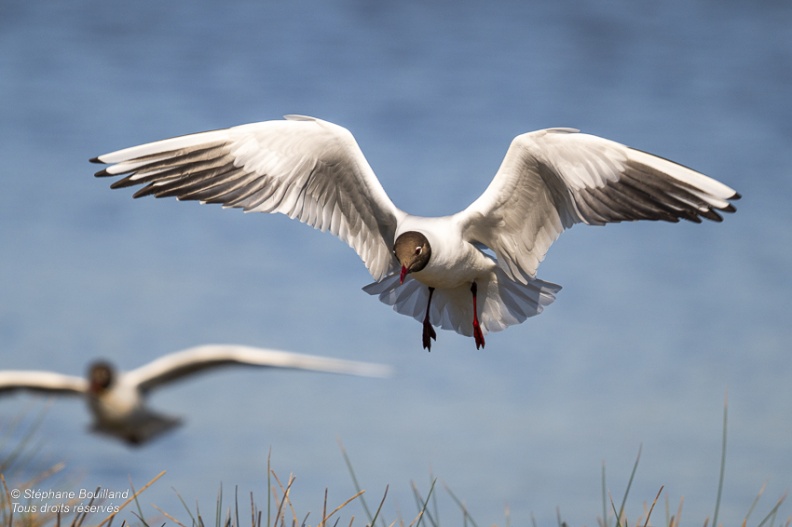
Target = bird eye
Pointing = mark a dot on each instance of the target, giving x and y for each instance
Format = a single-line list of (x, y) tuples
[(418, 250)]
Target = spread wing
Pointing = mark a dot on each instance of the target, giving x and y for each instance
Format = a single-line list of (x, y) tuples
[(42, 382), (306, 168), (552, 179), (181, 364)]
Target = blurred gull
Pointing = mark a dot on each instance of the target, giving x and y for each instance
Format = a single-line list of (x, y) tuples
[(438, 270), (117, 399)]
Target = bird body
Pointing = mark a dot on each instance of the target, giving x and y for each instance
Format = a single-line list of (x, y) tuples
[(120, 411), (117, 400), (455, 261), (428, 268)]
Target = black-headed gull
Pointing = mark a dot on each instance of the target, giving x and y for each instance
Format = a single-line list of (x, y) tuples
[(436, 270), (117, 399)]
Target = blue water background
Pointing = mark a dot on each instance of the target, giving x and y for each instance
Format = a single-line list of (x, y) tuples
[(656, 322)]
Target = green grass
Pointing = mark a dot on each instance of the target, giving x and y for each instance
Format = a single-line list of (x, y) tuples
[(21, 456)]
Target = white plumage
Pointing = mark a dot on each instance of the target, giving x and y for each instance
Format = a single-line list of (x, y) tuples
[(314, 171), (117, 399)]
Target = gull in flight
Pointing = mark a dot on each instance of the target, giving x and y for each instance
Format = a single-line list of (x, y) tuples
[(439, 270), (117, 399)]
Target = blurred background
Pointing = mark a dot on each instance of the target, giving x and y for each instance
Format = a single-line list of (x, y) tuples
[(656, 322)]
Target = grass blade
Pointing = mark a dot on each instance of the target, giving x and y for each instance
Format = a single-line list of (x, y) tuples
[(356, 484), (772, 514), (649, 514), (627, 490), (604, 498), (132, 498), (461, 506), (723, 462), (425, 504), (379, 509)]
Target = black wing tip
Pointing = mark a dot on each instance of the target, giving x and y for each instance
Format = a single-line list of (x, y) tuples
[(145, 191), (714, 213), (730, 208), (121, 183), (102, 173)]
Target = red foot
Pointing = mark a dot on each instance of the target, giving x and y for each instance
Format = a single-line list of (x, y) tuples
[(478, 335)]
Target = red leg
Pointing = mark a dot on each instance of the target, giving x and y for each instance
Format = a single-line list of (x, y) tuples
[(428, 331), (477, 333)]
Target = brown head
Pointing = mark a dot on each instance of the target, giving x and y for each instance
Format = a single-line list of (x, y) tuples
[(100, 377), (413, 251)]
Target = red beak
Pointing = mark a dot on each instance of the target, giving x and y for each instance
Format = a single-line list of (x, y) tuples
[(404, 272)]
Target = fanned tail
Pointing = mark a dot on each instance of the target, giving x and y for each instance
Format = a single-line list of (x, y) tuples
[(139, 431), (503, 302)]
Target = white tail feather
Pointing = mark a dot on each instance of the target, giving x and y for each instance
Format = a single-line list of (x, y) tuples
[(502, 302)]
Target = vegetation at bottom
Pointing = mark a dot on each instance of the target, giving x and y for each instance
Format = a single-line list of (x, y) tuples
[(20, 449)]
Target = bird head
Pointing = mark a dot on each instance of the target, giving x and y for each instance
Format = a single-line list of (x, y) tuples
[(413, 251), (100, 376)]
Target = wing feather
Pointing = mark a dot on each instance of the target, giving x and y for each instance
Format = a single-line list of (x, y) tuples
[(308, 169), (551, 179), (176, 366), (43, 382)]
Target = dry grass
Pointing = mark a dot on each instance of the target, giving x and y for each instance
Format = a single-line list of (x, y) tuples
[(279, 510)]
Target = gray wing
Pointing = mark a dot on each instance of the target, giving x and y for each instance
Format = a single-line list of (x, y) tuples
[(306, 168), (552, 179), (181, 364), (42, 382)]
